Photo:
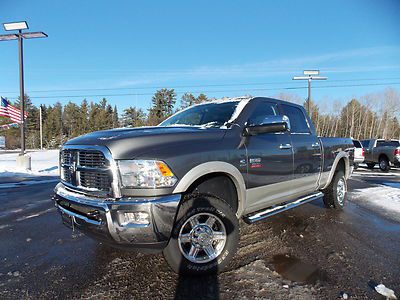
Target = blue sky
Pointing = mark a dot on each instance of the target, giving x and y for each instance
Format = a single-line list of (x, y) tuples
[(222, 48)]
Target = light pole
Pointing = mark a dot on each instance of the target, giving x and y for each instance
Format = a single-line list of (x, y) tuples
[(19, 26), (310, 75)]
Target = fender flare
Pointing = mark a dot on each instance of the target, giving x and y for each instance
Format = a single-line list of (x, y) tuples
[(216, 167), (340, 155)]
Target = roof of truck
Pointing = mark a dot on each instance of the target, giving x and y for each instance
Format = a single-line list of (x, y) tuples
[(248, 98)]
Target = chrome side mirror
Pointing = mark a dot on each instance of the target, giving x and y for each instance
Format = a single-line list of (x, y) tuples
[(270, 124)]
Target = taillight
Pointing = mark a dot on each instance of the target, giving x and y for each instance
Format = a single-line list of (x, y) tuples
[(397, 152), (362, 152)]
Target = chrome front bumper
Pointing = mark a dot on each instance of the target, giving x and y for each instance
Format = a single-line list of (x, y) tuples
[(102, 218)]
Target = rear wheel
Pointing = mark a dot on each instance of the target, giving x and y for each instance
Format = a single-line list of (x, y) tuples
[(335, 194), (384, 164), (370, 165), (205, 236), (356, 166)]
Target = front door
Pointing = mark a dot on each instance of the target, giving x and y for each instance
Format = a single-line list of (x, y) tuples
[(269, 161)]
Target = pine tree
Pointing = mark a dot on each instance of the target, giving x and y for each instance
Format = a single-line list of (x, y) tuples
[(187, 100), (109, 122), (71, 116), (201, 98), (133, 117), (115, 120), (83, 118), (163, 103), (52, 127)]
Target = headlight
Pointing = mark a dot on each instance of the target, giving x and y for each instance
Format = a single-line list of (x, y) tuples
[(145, 174)]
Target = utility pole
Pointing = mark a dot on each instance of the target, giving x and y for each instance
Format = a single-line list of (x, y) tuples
[(310, 75)]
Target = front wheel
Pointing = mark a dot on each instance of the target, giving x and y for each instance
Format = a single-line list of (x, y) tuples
[(205, 236), (335, 193)]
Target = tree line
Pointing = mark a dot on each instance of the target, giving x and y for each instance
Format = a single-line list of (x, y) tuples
[(370, 116)]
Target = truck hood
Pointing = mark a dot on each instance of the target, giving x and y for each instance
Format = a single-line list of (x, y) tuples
[(128, 143)]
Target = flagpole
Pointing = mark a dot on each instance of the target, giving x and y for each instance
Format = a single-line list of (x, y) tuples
[(21, 91), (41, 128)]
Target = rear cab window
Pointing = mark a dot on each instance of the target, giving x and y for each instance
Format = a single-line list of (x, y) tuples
[(387, 144)]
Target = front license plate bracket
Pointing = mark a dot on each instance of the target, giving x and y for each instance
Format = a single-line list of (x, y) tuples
[(68, 221)]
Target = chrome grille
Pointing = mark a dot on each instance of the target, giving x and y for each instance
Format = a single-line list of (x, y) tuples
[(91, 159), (86, 170), (94, 180), (66, 157), (66, 175)]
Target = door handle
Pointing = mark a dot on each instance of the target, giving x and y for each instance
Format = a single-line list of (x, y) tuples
[(315, 146), (285, 146)]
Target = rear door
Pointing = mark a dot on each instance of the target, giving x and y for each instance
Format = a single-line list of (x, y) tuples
[(269, 160), (306, 151)]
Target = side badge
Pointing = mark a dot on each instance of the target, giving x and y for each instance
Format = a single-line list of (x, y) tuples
[(255, 162)]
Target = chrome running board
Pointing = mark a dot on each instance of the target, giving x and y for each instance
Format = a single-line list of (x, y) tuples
[(250, 219)]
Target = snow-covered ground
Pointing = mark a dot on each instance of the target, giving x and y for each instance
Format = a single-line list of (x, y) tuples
[(44, 163), (385, 197)]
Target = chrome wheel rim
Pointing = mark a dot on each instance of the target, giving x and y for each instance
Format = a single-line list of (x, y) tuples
[(383, 164), (202, 238), (341, 191)]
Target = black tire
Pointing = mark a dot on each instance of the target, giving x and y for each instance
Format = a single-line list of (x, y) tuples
[(384, 164), (202, 206), (356, 166), (331, 197), (370, 165)]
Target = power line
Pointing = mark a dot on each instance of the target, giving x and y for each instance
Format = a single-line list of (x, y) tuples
[(215, 91), (191, 86)]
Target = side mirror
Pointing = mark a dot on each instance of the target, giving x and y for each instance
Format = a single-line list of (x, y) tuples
[(270, 124)]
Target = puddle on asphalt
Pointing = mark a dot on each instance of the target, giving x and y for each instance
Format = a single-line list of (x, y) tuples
[(292, 268)]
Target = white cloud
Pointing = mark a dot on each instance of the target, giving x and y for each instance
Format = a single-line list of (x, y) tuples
[(347, 61)]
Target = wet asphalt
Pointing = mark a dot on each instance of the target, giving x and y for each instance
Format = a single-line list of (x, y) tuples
[(306, 253)]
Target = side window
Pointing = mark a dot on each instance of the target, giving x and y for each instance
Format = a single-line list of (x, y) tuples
[(261, 111), (298, 123)]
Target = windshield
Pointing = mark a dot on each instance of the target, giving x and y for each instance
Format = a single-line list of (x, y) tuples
[(208, 115)]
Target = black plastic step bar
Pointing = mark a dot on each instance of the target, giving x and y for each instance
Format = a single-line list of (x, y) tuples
[(260, 215)]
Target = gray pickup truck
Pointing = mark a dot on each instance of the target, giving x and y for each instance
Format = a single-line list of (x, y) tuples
[(182, 187), (385, 153)]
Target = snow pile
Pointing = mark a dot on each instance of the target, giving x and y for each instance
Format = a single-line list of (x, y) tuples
[(44, 163), (385, 197), (384, 291)]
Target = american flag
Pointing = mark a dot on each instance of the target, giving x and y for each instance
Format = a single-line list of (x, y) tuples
[(7, 110)]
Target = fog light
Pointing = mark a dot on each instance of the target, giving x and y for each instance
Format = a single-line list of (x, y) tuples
[(138, 217)]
